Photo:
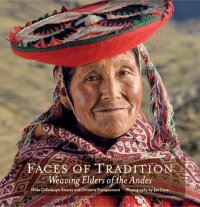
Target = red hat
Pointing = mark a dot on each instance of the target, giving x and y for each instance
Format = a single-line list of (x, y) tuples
[(90, 33)]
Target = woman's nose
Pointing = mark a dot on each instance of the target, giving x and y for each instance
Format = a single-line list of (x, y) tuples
[(110, 89)]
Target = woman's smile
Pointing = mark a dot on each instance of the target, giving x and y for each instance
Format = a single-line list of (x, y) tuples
[(109, 110)]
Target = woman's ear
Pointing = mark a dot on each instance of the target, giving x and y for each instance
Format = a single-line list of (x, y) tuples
[(64, 98)]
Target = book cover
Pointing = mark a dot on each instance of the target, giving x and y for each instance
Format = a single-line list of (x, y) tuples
[(59, 167)]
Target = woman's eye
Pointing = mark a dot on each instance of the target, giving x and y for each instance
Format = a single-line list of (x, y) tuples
[(128, 71), (92, 78), (124, 72)]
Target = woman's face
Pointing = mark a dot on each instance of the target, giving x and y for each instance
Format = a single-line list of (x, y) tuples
[(107, 95)]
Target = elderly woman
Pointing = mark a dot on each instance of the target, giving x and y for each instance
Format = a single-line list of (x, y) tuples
[(94, 147)]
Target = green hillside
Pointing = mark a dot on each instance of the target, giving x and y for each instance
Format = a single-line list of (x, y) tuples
[(25, 86)]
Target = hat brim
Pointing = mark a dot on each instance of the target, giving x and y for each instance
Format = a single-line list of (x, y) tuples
[(92, 52), (94, 49)]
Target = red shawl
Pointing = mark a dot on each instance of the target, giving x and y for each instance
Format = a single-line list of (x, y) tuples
[(59, 147)]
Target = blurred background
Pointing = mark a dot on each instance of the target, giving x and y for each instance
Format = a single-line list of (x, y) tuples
[(25, 86)]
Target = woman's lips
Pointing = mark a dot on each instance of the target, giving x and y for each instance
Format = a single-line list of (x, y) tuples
[(109, 110)]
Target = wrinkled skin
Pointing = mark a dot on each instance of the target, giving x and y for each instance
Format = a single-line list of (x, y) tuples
[(107, 96)]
